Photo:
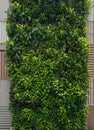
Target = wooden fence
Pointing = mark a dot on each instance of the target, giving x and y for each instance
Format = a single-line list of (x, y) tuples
[(3, 70), (90, 35), (90, 31), (3, 33), (5, 117), (3, 38)]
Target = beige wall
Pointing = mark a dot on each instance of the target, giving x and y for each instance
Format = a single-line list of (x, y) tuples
[(3, 7)]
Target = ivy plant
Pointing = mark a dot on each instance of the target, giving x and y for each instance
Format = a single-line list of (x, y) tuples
[(47, 61)]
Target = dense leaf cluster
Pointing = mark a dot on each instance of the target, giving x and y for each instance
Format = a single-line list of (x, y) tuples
[(47, 56)]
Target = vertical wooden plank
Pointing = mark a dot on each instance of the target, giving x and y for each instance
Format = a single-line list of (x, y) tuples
[(3, 65), (6, 75), (0, 64), (90, 32), (91, 94), (0, 32), (93, 91), (3, 70), (5, 116), (3, 32)]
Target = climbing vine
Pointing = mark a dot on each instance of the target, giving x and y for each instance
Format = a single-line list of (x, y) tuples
[(47, 61)]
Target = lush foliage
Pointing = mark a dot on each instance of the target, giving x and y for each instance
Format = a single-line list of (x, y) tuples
[(47, 56)]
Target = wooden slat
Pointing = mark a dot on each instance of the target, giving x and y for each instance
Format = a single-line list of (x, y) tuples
[(91, 69), (91, 92), (5, 119), (3, 70), (3, 32), (5, 116), (0, 65), (90, 32), (3, 38), (91, 60)]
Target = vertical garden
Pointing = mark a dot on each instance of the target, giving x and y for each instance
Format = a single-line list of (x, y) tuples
[(47, 62)]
